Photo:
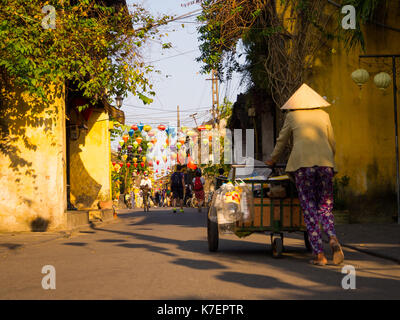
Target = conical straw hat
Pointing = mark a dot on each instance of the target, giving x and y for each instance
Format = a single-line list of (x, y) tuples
[(305, 98)]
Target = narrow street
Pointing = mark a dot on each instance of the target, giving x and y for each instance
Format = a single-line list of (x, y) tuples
[(161, 255)]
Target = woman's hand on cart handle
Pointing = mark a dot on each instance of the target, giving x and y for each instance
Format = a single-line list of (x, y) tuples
[(270, 163)]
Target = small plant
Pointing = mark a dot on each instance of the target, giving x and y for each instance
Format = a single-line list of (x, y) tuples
[(339, 185)]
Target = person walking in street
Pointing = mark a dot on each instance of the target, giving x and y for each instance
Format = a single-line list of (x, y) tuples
[(198, 187), (177, 188), (145, 186), (312, 163)]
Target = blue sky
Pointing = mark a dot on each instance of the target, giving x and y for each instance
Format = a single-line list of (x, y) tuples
[(180, 82)]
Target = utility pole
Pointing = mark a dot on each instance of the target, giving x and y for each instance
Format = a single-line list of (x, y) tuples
[(194, 118), (215, 95), (178, 122)]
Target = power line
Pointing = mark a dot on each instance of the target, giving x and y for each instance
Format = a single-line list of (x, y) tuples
[(170, 57)]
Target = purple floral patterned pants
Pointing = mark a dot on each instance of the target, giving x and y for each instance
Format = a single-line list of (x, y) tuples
[(315, 189)]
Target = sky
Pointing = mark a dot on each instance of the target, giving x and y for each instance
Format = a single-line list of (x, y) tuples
[(180, 82)]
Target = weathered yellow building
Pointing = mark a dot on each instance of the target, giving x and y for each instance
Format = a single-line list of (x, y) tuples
[(52, 158), (363, 120)]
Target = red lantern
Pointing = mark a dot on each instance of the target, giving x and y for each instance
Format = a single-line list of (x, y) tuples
[(135, 164), (134, 127), (142, 164), (128, 164), (158, 162), (161, 127), (121, 164), (113, 164)]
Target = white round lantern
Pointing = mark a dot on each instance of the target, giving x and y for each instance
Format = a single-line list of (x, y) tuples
[(360, 76), (382, 80)]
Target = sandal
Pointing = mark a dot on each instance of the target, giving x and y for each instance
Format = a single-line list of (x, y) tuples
[(319, 262), (338, 256)]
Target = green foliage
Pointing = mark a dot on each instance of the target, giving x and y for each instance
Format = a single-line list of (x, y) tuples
[(365, 10), (93, 46)]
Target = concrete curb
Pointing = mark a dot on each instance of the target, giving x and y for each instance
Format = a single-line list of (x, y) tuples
[(372, 253)]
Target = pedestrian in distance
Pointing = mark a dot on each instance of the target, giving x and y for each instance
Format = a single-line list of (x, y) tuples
[(177, 188), (198, 187), (312, 163)]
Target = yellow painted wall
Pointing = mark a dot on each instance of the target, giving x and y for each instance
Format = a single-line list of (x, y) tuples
[(90, 160), (32, 160), (363, 121)]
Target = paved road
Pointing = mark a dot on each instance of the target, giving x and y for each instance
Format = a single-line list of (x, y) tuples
[(161, 255)]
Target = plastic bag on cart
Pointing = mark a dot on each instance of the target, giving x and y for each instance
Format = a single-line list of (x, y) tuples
[(246, 202)]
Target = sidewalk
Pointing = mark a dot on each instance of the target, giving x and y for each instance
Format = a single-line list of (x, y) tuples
[(14, 241), (380, 240)]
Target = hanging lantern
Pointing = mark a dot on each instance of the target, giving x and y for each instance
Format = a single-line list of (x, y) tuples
[(164, 158), (128, 164), (121, 164), (135, 165), (178, 145), (147, 128), (131, 132), (139, 140), (134, 160), (382, 80), (121, 142), (113, 164), (150, 145), (360, 77), (150, 163), (157, 171), (140, 127), (167, 142), (130, 147), (140, 149), (135, 144), (124, 157), (158, 162), (161, 127), (210, 138), (144, 159), (125, 138), (142, 164), (134, 127)]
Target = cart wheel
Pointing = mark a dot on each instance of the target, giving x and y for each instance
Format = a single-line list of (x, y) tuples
[(212, 235), (277, 247), (307, 242)]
